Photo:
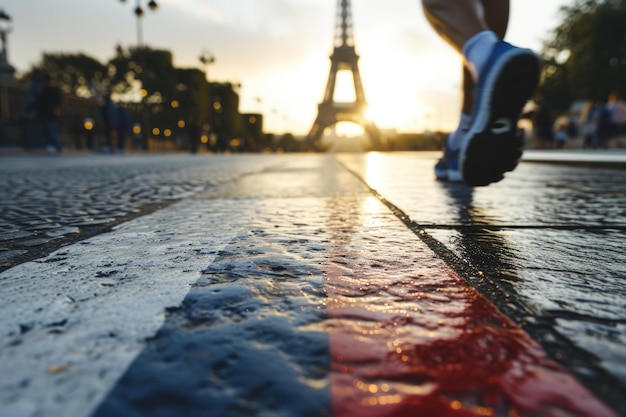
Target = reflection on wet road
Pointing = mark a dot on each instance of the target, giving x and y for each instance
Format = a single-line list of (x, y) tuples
[(546, 246), (408, 336)]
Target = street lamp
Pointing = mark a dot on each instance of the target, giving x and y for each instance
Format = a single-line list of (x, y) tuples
[(153, 6), (139, 13), (206, 58), (6, 70)]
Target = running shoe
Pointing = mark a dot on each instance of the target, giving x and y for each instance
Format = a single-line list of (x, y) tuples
[(492, 146)]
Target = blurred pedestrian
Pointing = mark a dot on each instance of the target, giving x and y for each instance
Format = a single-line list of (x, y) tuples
[(498, 80), (606, 128), (35, 86), (124, 126), (562, 129), (616, 109), (194, 131), (47, 110), (31, 132), (589, 118), (108, 118)]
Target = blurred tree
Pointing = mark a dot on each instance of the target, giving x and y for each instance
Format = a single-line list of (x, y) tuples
[(76, 74), (586, 58), (134, 69), (174, 97), (125, 74), (163, 97)]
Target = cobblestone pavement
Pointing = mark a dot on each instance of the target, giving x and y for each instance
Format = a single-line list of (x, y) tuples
[(47, 201), (309, 285)]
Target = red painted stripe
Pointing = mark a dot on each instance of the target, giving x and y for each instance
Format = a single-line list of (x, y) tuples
[(409, 337)]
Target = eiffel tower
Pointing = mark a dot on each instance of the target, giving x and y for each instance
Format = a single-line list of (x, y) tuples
[(344, 58)]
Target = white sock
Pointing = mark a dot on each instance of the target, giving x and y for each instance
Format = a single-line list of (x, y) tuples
[(454, 140), (477, 49)]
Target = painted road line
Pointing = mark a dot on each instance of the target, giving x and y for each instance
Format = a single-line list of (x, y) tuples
[(71, 323), (411, 337), (249, 338), (600, 157)]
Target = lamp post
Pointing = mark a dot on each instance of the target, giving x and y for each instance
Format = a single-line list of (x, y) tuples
[(139, 13), (6, 70), (206, 58)]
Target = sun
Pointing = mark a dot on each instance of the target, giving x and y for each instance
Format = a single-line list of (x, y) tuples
[(409, 90)]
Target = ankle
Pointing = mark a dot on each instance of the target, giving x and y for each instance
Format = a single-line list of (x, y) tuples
[(476, 51)]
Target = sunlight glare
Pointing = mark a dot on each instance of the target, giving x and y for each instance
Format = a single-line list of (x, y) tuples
[(406, 91), (345, 137), (396, 110), (374, 170), (347, 129), (372, 209)]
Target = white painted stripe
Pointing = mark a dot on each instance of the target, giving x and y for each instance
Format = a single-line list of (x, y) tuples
[(616, 156), (71, 324)]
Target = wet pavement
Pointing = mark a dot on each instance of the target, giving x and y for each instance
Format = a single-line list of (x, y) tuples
[(343, 285)]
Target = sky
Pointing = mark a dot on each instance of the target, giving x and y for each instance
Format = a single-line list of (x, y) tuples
[(278, 50)]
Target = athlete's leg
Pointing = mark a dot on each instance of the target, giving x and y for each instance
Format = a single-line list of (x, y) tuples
[(496, 14), (456, 21), (485, 145), (496, 18)]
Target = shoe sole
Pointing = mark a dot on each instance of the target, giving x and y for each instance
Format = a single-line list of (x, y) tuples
[(491, 149)]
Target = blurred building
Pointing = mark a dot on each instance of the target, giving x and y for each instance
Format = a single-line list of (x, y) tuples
[(224, 118), (252, 124)]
